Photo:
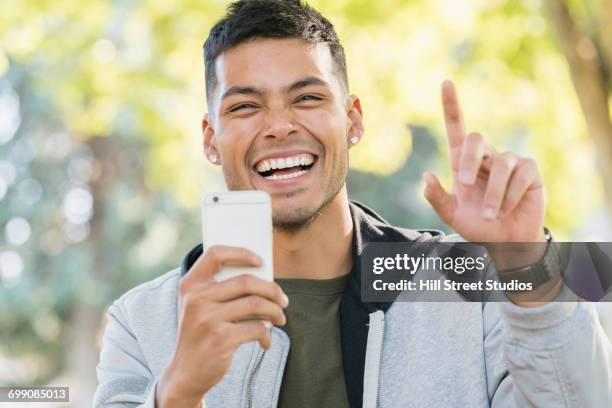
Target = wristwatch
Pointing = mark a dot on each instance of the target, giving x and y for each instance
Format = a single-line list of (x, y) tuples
[(549, 265)]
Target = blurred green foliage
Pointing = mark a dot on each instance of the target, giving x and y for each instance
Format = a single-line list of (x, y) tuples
[(101, 168)]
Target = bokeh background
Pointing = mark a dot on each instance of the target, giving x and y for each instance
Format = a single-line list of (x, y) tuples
[(101, 164)]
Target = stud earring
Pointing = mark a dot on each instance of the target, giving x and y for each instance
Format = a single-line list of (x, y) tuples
[(213, 158), (354, 140)]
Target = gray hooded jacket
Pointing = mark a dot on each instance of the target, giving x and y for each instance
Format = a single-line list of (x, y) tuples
[(400, 354)]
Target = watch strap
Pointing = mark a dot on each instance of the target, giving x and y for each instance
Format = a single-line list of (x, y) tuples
[(540, 272)]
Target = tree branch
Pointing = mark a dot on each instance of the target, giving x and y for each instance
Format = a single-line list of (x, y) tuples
[(589, 81)]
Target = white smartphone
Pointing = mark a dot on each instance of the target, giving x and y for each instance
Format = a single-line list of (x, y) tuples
[(240, 219)]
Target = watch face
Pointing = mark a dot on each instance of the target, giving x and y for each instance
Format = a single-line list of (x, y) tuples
[(539, 272), (535, 274)]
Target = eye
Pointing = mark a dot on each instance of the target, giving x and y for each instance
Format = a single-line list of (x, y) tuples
[(241, 106), (307, 98)]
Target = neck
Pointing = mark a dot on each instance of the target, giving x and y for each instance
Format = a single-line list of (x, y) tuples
[(320, 250)]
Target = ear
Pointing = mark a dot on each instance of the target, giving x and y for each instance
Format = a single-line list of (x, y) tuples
[(354, 115), (209, 142)]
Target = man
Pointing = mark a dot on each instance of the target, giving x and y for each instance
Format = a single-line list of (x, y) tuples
[(281, 119)]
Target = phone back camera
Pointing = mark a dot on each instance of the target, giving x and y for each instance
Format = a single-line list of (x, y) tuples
[(215, 199)]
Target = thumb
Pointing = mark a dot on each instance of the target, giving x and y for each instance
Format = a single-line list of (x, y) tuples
[(442, 202)]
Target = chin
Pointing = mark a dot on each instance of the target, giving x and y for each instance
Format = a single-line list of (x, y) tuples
[(294, 209), (293, 222), (298, 210)]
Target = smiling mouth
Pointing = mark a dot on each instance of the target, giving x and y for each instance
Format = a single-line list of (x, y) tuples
[(283, 168)]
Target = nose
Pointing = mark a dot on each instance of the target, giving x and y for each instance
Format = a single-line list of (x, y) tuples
[(279, 123)]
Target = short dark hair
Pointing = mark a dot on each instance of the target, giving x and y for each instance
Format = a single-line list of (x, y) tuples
[(249, 19)]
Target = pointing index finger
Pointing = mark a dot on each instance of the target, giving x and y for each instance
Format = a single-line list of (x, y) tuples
[(452, 115)]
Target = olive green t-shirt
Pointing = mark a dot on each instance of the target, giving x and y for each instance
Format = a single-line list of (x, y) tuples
[(313, 374)]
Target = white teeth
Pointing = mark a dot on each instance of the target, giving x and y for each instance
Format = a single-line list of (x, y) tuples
[(263, 166), (285, 162), (285, 176)]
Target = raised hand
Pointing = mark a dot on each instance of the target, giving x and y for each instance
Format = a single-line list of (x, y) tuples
[(496, 197)]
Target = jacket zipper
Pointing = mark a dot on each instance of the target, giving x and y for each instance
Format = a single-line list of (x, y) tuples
[(260, 357), (376, 331), (382, 334)]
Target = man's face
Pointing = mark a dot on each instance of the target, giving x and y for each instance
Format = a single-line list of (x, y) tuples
[(281, 122)]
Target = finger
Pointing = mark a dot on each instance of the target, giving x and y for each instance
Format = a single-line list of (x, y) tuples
[(245, 285), (453, 117), (525, 177), (247, 331), (475, 153), (443, 203), (501, 170), (211, 261), (252, 307)]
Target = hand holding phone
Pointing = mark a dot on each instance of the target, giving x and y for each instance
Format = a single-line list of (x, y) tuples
[(226, 299)]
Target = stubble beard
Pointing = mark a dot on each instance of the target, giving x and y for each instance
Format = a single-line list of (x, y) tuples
[(301, 217)]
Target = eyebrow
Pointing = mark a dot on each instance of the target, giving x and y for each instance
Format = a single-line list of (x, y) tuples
[(302, 83), (241, 90), (249, 90)]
